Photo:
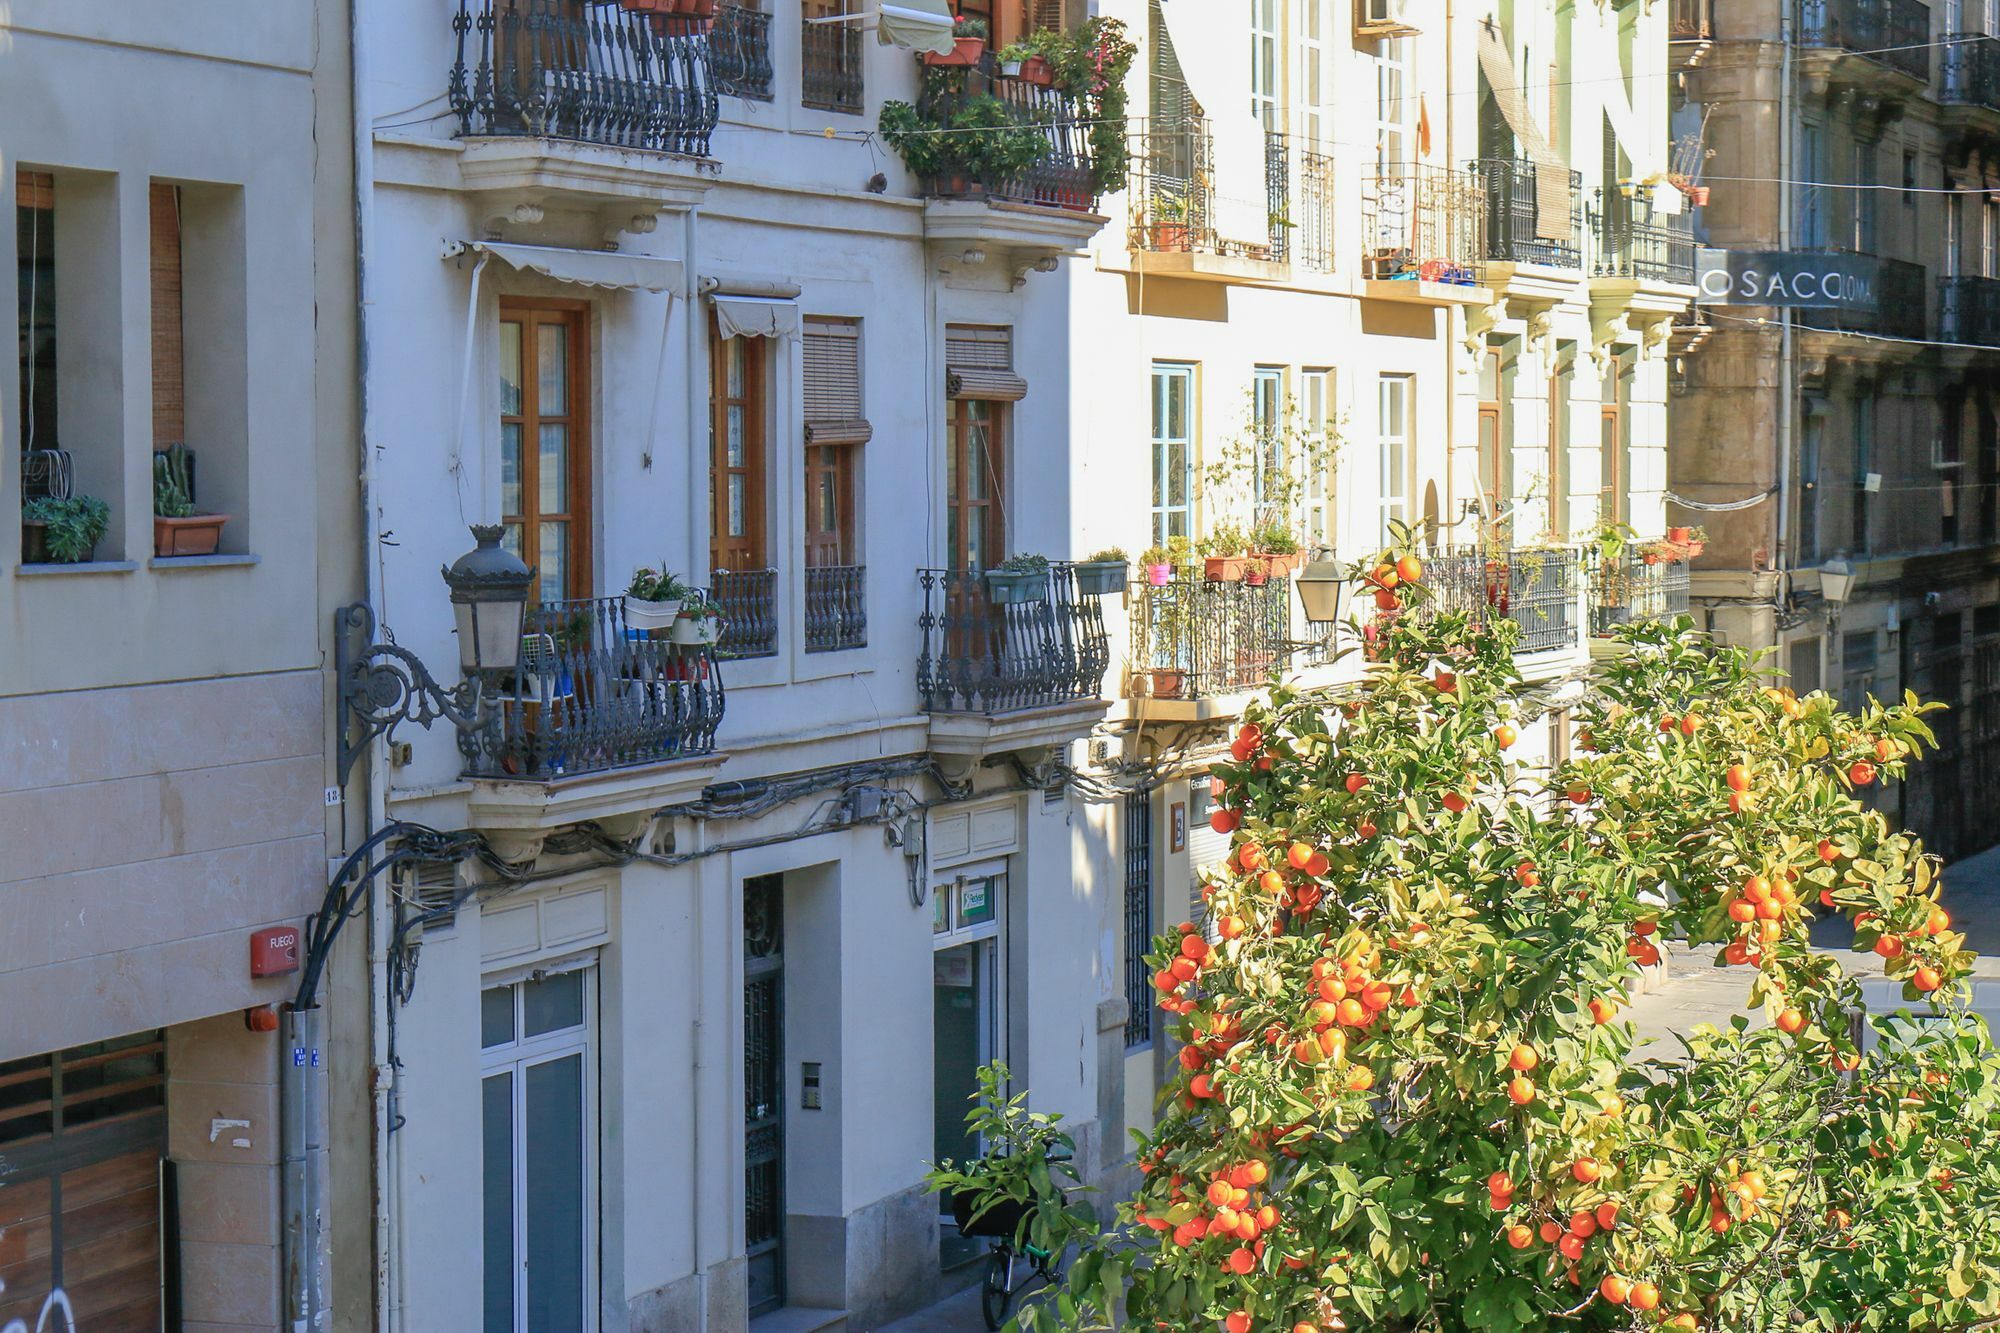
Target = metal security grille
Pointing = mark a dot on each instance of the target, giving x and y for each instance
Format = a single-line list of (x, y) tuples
[(764, 1089), (1138, 918)]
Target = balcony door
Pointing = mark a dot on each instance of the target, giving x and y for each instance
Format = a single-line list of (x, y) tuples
[(545, 441), (736, 458), (975, 478)]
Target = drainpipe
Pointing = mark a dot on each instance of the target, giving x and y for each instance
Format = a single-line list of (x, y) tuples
[(697, 339), (1788, 405)]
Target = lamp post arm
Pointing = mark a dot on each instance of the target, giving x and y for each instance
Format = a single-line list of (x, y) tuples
[(384, 684)]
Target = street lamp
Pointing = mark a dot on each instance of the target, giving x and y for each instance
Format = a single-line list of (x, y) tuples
[(1322, 581), (383, 684), (1836, 581)]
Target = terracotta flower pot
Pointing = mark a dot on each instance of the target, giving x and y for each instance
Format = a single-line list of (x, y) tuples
[(198, 534), (1678, 535), (1168, 684), (1225, 568), (1038, 71), (965, 52)]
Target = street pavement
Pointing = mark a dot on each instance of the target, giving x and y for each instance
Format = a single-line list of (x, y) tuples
[(1695, 991)]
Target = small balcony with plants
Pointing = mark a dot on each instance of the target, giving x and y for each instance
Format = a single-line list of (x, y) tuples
[(1013, 657), (629, 86), (1880, 47), (1534, 227), (1538, 588), (1012, 149), (1633, 581), (1265, 210), (1422, 233)]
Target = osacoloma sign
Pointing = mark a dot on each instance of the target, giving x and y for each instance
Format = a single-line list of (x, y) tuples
[(1781, 278)]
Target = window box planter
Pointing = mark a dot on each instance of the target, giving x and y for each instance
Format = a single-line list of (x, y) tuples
[(1281, 563), (644, 615), (1009, 588), (1100, 578), (1038, 71), (35, 546), (1229, 568), (198, 534), (692, 630), (965, 52)]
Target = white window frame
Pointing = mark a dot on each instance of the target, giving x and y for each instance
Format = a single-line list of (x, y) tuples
[(1313, 20), (1394, 451), (1317, 386), (1162, 372), (515, 1058), (1392, 104), (1267, 65)]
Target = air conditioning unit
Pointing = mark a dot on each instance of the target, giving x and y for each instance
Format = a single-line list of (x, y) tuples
[(1385, 18)]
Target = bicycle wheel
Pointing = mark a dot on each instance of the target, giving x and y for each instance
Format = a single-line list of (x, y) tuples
[(997, 1292)]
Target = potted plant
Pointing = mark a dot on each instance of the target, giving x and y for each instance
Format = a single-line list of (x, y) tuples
[(1159, 565), (1226, 557), (1102, 574), (968, 45), (1017, 579), (178, 527), (1024, 60), (1168, 682), (1679, 535), (698, 623), (653, 599), (1277, 547), (1166, 228), (62, 530)]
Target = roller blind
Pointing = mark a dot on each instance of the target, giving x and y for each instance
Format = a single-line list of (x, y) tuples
[(169, 376), (1551, 172), (832, 392), (979, 363)]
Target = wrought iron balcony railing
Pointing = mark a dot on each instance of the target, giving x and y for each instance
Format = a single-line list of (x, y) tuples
[(592, 694), (1198, 640), (1536, 589), (749, 602), (596, 73), (1512, 215), (1421, 222), (1171, 188), (985, 653), (1895, 33), (1969, 310), (740, 47), (1690, 21), (1300, 192), (1648, 251), (836, 609), (1971, 71), (1061, 178), (830, 63), (1628, 591), (1899, 310)]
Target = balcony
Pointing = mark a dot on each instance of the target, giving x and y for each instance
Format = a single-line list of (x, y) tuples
[(591, 73), (1898, 310), (1538, 589), (740, 51), (1690, 21), (1880, 46), (1629, 591), (1658, 253), (591, 695), (1177, 227), (1969, 310), (1008, 668), (1513, 236), (830, 64), (1421, 229), (836, 609), (1969, 95), (1299, 189), (1194, 641), (749, 602)]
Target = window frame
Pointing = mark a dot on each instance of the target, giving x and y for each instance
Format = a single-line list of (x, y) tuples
[(1267, 64), (1393, 501), (754, 545), (1268, 388), (1318, 386), (959, 419), (574, 316), (1162, 509)]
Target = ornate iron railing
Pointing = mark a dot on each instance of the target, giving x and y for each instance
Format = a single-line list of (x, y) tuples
[(749, 602), (1628, 591), (1421, 222), (1689, 21), (1172, 192), (1899, 311), (836, 609), (1971, 71), (597, 73), (1512, 212), (982, 653), (591, 694), (830, 64), (1648, 251), (1062, 178), (1299, 185), (1969, 310), (1536, 589), (1896, 33), (740, 46), (1197, 640)]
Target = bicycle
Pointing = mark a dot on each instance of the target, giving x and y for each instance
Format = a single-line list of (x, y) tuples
[(1002, 1223)]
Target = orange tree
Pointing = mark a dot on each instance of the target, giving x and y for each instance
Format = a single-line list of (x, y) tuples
[(1405, 1096)]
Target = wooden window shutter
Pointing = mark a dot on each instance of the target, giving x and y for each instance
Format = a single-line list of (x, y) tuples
[(833, 411), (979, 363), (34, 189), (169, 367)]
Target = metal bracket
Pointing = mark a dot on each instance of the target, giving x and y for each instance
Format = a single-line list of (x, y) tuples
[(383, 684)]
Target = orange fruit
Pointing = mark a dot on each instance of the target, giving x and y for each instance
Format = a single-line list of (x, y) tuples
[(1409, 569), (1499, 1183), (1643, 1296), (1737, 776), (1551, 1233), (1520, 1091), (1238, 1320), (1861, 773), (1298, 854), (1742, 911), (1571, 1247), (1583, 1225), (1360, 1078), (1889, 946), (1454, 802), (1504, 736), (1586, 1170), (1224, 821), (1614, 1289), (1366, 829), (1602, 1011), (1927, 979), (1520, 1237), (1689, 723), (1241, 1261), (1355, 782), (1607, 1214), (1939, 922), (1791, 1022), (1522, 1059), (1827, 851), (1386, 600)]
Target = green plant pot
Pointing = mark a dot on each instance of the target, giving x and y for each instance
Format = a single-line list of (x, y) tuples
[(1100, 578), (1006, 588)]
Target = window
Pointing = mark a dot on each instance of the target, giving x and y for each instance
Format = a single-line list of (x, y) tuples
[(1312, 70), (1909, 178), (1989, 239), (1857, 668), (1267, 419), (1811, 223), (830, 58), (169, 366), (736, 453), (980, 383), (1864, 198), (1317, 413), (1615, 438), (1392, 114), (545, 441), (1954, 232), (836, 427), (1394, 407), (35, 246), (1496, 380), (1864, 459), (1802, 660), (1264, 66), (1812, 447), (538, 1129), (1139, 996), (1173, 452), (1557, 488)]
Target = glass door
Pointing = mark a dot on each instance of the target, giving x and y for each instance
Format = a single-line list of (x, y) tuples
[(967, 1014)]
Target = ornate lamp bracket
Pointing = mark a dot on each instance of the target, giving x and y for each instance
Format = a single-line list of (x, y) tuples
[(383, 684)]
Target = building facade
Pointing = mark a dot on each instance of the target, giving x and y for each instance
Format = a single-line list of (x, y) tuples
[(1859, 438), (181, 217)]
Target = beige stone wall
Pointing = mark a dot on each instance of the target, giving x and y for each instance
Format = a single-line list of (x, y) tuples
[(147, 831)]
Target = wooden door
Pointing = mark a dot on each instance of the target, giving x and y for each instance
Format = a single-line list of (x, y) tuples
[(545, 441), (975, 479), (736, 453)]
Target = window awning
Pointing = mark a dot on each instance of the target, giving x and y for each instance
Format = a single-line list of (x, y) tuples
[(1496, 62), (915, 25), (755, 316), (585, 268), (1000, 386)]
